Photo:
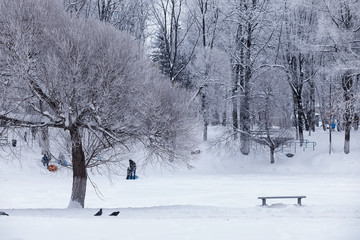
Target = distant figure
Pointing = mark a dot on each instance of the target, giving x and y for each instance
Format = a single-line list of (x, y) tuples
[(3, 213), (45, 160), (99, 212), (33, 133), (61, 160), (114, 213), (131, 171), (25, 136)]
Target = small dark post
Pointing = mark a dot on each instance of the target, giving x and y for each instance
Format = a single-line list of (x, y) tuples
[(299, 201), (263, 201)]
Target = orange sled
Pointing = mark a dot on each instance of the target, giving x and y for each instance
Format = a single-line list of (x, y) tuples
[(52, 168)]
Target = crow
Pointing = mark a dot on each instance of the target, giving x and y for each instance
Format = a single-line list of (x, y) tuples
[(114, 213), (4, 213), (99, 212)]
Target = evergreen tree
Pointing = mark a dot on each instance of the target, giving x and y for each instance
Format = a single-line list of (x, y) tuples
[(162, 60)]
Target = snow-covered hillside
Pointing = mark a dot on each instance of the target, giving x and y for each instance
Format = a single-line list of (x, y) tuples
[(217, 199)]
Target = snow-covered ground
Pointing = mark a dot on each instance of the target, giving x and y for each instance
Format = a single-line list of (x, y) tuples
[(215, 200)]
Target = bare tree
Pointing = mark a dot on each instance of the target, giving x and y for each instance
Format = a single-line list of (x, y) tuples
[(167, 15), (126, 15), (344, 40), (206, 15), (250, 36), (299, 28)]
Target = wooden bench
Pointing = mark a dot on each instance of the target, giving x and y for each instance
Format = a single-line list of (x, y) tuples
[(298, 198)]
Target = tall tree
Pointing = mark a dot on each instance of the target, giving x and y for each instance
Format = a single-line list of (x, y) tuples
[(206, 15), (251, 34), (167, 15), (344, 36), (126, 15), (299, 26), (347, 83), (91, 81)]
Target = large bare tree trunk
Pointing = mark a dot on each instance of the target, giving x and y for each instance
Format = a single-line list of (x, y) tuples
[(204, 109), (79, 170), (44, 141), (245, 97), (347, 84), (347, 137), (300, 114), (311, 112), (234, 98), (272, 152)]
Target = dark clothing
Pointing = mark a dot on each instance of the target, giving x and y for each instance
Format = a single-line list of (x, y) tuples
[(132, 164), (128, 173), (131, 171), (45, 160)]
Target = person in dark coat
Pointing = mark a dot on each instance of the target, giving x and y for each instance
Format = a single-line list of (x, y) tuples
[(45, 160), (131, 169)]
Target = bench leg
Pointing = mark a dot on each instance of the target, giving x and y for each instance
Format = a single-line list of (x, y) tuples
[(299, 201), (263, 202)]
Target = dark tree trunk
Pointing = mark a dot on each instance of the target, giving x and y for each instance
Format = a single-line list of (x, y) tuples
[(245, 98), (79, 170), (44, 141), (270, 141), (356, 122), (205, 113), (347, 84), (296, 80), (347, 137), (272, 151), (224, 114), (311, 112), (245, 124), (223, 121), (237, 75), (300, 113), (295, 121), (234, 99)]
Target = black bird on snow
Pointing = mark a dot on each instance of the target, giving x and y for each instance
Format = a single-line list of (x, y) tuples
[(115, 213), (4, 213), (99, 212)]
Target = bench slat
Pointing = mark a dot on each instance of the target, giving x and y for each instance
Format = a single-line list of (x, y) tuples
[(282, 197)]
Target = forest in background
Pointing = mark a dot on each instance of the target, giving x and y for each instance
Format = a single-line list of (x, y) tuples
[(250, 64)]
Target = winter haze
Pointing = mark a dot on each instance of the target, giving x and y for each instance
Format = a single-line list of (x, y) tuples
[(218, 102)]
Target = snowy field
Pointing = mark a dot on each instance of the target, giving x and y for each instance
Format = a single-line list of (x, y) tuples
[(215, 200)]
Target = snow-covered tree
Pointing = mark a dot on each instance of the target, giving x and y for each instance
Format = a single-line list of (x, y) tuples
[(126, 15), (93, 82), (249, 34), (297, 39), (206, 15), (167, 16), (342, 25)]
